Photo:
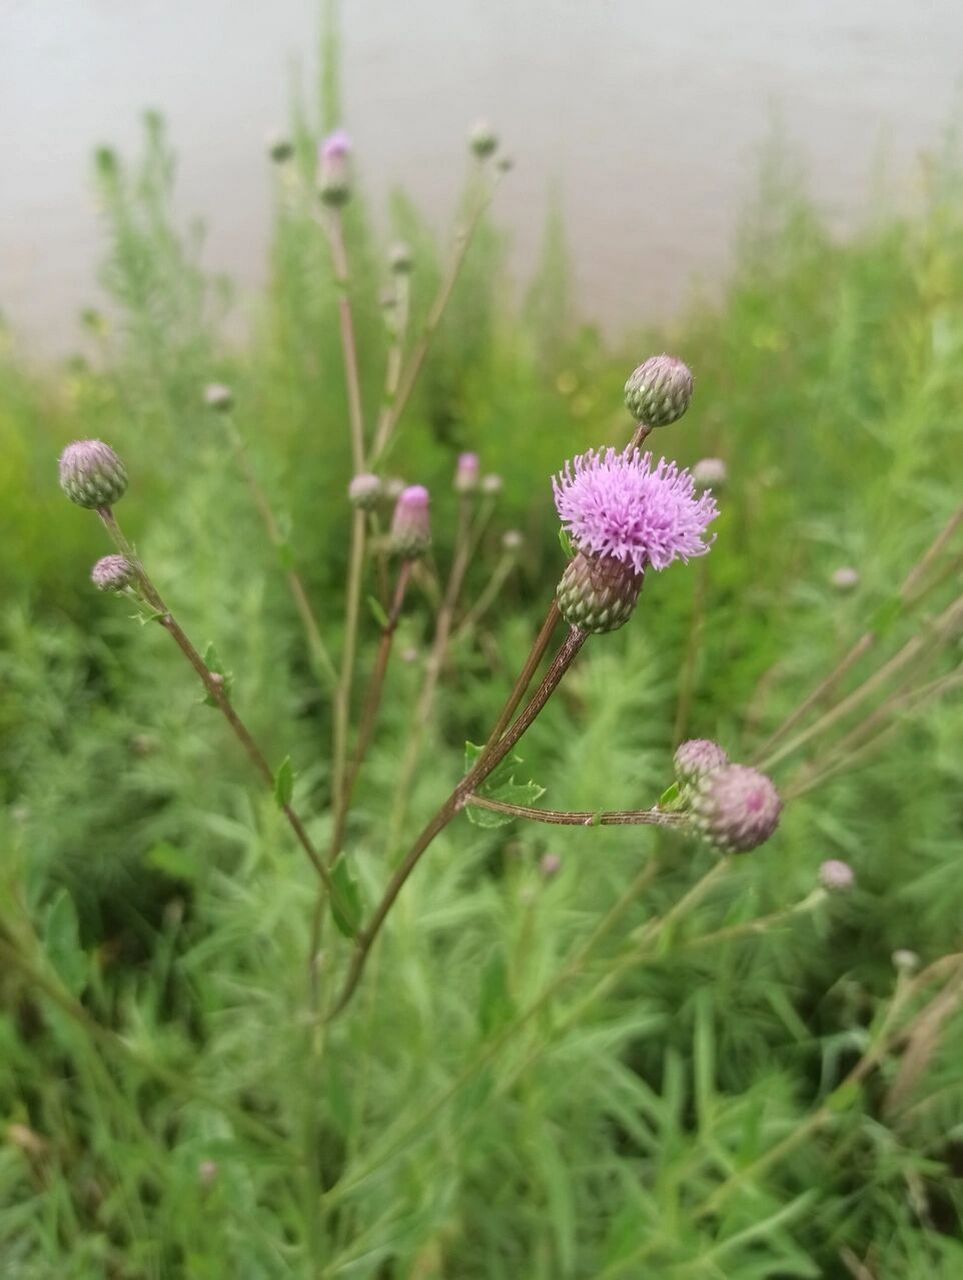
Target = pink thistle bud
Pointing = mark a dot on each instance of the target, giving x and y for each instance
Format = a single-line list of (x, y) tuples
[(697, 757), (334, 178), (492, 485), (845, 579), (219, 397), (710, 473), (411, 525), (364, 491), (91, 474), (483, 140), (735, 808), (659, 391), (836, 876), (112, 573), (550, 865), (467, 473)]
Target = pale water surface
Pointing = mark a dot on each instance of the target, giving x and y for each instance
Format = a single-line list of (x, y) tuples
[(649, 117)]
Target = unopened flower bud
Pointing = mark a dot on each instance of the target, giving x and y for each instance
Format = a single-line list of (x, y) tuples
[(598, 593), (845, 579), (207, 1172), (658, 391), (483, 140), (400, 258), (905, 961), (836, 876), (91, 474), (112, 573), (394, 487), (364, 491), (466, 473), (697, 757), (735, 808), (550, 865), (334, 178), (411, 525), (279, 148), (492, 485), (710, 473), (512, 541), (219, 397)]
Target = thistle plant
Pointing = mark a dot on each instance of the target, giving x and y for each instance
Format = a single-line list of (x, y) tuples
[(624, 516)]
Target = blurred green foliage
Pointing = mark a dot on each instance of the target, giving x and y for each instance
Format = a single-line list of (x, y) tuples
[(162, 890)]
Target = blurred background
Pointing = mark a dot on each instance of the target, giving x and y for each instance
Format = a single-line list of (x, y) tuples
[(652, 157)]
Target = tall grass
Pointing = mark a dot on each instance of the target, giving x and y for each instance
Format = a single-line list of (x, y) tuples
[(502, 1099)]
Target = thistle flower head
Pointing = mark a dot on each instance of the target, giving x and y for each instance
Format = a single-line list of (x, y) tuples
[(619, 506), (411, 526), (218, 396), (845, 579), (400, 258), (91, 474), (550, 865), (905, 961), (697, 757), (334, 179), (279, 148), (364, 491), (467, 473), (710, 473), (836, 876), (483, 140), (597, 593), (659, 390), (112, 573), (735, 808)]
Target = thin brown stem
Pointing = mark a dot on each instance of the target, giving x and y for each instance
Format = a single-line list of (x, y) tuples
[(334, 228), (214, 686), (911, 592), (319, 650), (489, 761), (412, 369), (527, 673), (582, 817)]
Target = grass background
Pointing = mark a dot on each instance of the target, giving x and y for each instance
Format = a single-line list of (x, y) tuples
[(150, 888)]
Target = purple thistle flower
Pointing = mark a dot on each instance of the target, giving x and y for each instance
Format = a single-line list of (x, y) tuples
[(334, 181), (735, 808), (617, 506)]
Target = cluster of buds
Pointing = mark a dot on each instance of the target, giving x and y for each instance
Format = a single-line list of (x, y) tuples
[(733, 807)]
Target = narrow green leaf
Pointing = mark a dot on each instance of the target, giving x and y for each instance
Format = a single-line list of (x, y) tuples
[(172, 861), (565, 542), (671, 798), (61, 938), (346, 909), (284, 783), (378, 613), (495, 1004)]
